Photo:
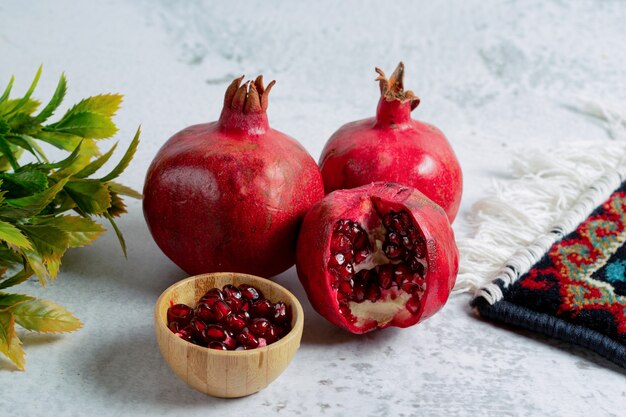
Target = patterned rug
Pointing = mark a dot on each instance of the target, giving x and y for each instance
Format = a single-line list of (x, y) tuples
[(577, 291)]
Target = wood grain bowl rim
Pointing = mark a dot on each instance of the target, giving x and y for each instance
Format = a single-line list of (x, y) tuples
[(297, 312)]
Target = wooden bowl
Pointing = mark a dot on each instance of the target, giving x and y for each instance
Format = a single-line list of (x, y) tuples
[(226, 374)]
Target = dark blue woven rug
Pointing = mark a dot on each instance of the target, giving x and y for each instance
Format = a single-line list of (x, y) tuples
[(577, 291)]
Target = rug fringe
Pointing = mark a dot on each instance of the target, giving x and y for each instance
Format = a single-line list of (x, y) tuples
[(552, 193)]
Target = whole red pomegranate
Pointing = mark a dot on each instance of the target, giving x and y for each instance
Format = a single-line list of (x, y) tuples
[(394, 147), (376, 256), (230, 195)]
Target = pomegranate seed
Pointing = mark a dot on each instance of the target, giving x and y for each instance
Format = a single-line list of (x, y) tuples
[(358, 294), (230, 291), (407, 243), (236, 322), (241, 348), (259, 327), (262, 308), (230, 341), (410, 287), (214, 332), (235, 304), (392, 251), (271, 335), (360, 240), (186, 333), (345, 271), (216, 346), (262, 342), (173, 326), (385, 276), (346, 287), (394, 239), (246, 338), (361, 255), (180, 314), (413, 305), (337, 260), (341, 244), (282, 313), (402, 273), (249, 292), (220, 310), (213, 293), (373, 292), (204, 312)]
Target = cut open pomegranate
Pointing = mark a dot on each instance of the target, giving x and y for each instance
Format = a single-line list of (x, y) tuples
[(377, 256)]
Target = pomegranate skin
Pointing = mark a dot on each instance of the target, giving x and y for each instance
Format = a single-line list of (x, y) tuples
[(314, 249), (394, 147), (230, 195)]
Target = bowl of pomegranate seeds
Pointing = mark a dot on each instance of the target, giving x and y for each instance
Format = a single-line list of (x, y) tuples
[(228, 334)]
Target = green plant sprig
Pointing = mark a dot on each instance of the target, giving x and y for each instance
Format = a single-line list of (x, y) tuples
[(48, 207)]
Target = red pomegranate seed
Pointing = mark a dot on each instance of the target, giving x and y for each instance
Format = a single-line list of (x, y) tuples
[(360, 240), (341, 244), (230, 341), (402, 273), (173, 326), (385, 276), (410, 287), (213, 294), (394, 239), (337, 260), (373, 292), (179, 313), (249, 292), (220, 310), (216, 346), (361, 255), (282, 313), (345, 287), (271, 335), (259, 327), (358, 292), (186, 333), (262, 308), (392, 251), (204, 312), (214, 332), (235, 322), (413, 305), (246, 338), (230, 291), (235, 304)]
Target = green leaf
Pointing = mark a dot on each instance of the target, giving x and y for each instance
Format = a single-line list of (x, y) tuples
[(22, 143), (60, 140), (27, 107), (7, 90), (18, 278), (24, 100), (10, 344), (22, 183), (105, 104), (13, 236), (6, 150), (124, 190), (118, 233), (44, 316), (81, 231), (31, 205), (54, 102), (96, 164), (65, 162), (36, 147), (91, 196), (128, 156), (86, 124), (117, 206), (36, 264), (9, 300), (50, 241)]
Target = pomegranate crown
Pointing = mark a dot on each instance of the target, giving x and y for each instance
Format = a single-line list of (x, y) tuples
[(251, 97), (393, 88)]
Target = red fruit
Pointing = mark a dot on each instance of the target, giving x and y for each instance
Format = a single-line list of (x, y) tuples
[(394, 147), (259, 326), (377, 292), (247, 339), (230, 195), (262, 308), (249, 292), (180, 314)]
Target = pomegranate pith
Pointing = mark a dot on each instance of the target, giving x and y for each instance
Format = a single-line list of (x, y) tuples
[(394, 147), (230, 195), (215, 324), (376, 256)]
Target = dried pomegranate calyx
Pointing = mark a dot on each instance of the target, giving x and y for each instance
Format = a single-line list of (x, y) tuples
[(393, 88), (251, 97)]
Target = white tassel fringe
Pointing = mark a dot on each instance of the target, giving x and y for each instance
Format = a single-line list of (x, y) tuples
[(553, 193)]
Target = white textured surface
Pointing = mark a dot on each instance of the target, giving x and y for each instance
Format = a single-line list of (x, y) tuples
[(492, 75)]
